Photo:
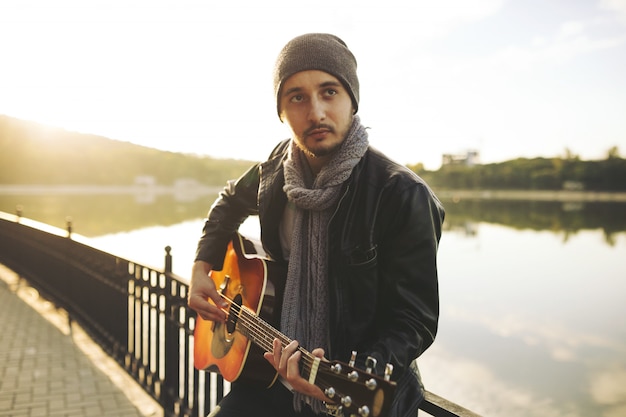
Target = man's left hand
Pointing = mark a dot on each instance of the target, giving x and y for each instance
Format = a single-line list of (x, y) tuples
[(286, 362)]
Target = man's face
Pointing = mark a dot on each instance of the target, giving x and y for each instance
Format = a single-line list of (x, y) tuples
[(319, 111)]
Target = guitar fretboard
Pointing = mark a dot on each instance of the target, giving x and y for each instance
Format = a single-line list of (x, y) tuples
[(263, 334)]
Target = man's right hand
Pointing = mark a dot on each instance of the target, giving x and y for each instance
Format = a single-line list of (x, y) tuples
[(201, 289)]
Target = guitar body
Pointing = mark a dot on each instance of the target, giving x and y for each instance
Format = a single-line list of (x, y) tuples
[(255, 284)]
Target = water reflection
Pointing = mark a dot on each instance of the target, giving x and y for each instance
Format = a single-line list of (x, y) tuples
[(565, 217), (536, 323), (99, 214)]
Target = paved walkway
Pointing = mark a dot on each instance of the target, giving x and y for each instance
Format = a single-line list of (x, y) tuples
[(48, 368)]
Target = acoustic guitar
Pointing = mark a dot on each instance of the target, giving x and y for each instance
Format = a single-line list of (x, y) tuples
[(253, 288)]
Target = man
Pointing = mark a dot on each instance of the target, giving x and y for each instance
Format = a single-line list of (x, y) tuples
[(359, 233)]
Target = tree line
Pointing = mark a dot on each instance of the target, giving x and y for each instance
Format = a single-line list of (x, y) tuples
[(556, 173), (31, 153)]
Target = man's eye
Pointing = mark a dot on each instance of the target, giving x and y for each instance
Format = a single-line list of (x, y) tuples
[(296, 99), (331, 92)]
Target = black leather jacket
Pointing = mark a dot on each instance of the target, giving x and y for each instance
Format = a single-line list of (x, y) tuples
[(383, 240)]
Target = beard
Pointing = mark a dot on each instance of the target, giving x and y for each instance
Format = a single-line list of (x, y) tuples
[(324, 149), (318, 152)]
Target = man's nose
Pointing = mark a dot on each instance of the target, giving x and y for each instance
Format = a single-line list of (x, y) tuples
[(317, 111)]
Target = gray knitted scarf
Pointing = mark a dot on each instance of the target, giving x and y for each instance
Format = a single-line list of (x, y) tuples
[(305, 306)]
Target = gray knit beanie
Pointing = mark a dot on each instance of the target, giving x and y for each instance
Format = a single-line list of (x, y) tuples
[(317, 51)]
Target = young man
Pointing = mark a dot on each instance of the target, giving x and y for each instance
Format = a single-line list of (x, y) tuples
[(358, 232)]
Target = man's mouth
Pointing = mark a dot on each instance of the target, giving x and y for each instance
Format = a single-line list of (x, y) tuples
[(318, 132)]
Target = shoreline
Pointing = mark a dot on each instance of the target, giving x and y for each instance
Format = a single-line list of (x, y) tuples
[(534, 195), (455, 195), (67, 189)]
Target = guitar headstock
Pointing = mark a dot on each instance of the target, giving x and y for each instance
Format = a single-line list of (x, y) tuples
[(355, 391)]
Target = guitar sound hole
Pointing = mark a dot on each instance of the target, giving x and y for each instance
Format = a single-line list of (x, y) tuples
[(231, 323)]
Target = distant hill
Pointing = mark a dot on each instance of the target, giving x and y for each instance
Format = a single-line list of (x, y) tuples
[(35, 154), (32, 153)]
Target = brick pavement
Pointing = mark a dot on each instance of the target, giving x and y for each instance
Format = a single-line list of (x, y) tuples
[(51, 368)]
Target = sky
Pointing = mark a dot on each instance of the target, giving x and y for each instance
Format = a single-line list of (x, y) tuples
[(508, 78)]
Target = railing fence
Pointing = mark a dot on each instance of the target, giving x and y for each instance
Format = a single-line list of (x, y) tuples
[(138, 315)]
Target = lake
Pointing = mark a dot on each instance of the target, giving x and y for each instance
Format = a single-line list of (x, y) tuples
[(533, 293)]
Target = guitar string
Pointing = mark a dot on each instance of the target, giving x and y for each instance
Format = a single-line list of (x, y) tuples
[(256, 327)]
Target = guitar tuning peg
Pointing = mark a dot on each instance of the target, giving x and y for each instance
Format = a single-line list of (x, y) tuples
[(371, 384), (370, 364), (388, 371), (352, 359), (364, 411), (330, 392)]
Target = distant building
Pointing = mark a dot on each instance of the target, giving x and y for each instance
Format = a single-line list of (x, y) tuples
[(186, 183), (573, 186), (145, 180), (470, 158)]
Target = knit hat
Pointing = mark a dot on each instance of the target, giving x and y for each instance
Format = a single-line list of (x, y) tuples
[(317, 51)]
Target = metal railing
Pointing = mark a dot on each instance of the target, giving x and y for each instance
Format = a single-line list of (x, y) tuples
[(138, 315)]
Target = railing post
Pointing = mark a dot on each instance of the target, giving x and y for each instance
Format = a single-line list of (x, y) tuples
[(68, 221), (168, 260), (170, 399), (18, 212), (171, 394)]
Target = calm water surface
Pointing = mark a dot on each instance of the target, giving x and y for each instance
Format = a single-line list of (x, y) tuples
[(533, 315)]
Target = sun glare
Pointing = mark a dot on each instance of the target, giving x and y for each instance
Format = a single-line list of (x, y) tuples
[(184, 75)]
